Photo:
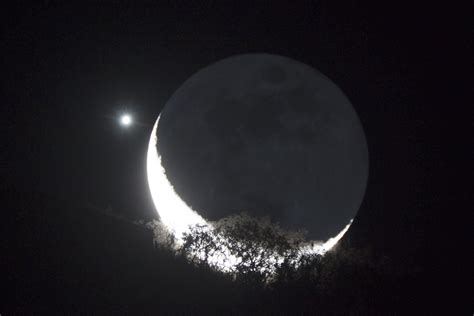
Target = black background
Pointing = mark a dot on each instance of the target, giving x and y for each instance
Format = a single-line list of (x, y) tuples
[(68, 72)]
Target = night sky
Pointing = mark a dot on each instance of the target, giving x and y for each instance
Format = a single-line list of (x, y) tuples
[(69, 72), (77, 69)]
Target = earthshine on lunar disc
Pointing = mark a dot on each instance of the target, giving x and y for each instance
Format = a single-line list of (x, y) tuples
[(263, 134)]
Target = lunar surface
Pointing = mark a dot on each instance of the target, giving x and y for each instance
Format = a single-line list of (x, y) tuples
[(263, 134)]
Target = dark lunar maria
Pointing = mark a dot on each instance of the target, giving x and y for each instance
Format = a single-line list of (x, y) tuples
[(267, 135)]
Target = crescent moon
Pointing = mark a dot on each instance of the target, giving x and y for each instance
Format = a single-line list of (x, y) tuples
[(175, 214), (178, 217)]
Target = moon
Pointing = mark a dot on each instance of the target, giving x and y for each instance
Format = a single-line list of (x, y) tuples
[(264, 134)]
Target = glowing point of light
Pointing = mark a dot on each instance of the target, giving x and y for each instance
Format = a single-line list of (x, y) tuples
[(126, 120)]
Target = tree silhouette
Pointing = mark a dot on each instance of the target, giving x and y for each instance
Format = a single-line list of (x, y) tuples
[(254, 250)]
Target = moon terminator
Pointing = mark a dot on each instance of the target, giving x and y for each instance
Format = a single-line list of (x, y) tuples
[(263, 134)]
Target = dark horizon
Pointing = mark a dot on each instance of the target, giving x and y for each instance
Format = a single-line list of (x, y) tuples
[(69, 73)]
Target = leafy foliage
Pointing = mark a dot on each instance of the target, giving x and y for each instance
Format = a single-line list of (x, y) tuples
[(253, 250)]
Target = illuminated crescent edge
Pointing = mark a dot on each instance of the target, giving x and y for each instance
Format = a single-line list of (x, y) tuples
[(178, 217)]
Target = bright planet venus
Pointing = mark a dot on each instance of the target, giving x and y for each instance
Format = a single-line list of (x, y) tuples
[(264, 134), (126, 120)]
